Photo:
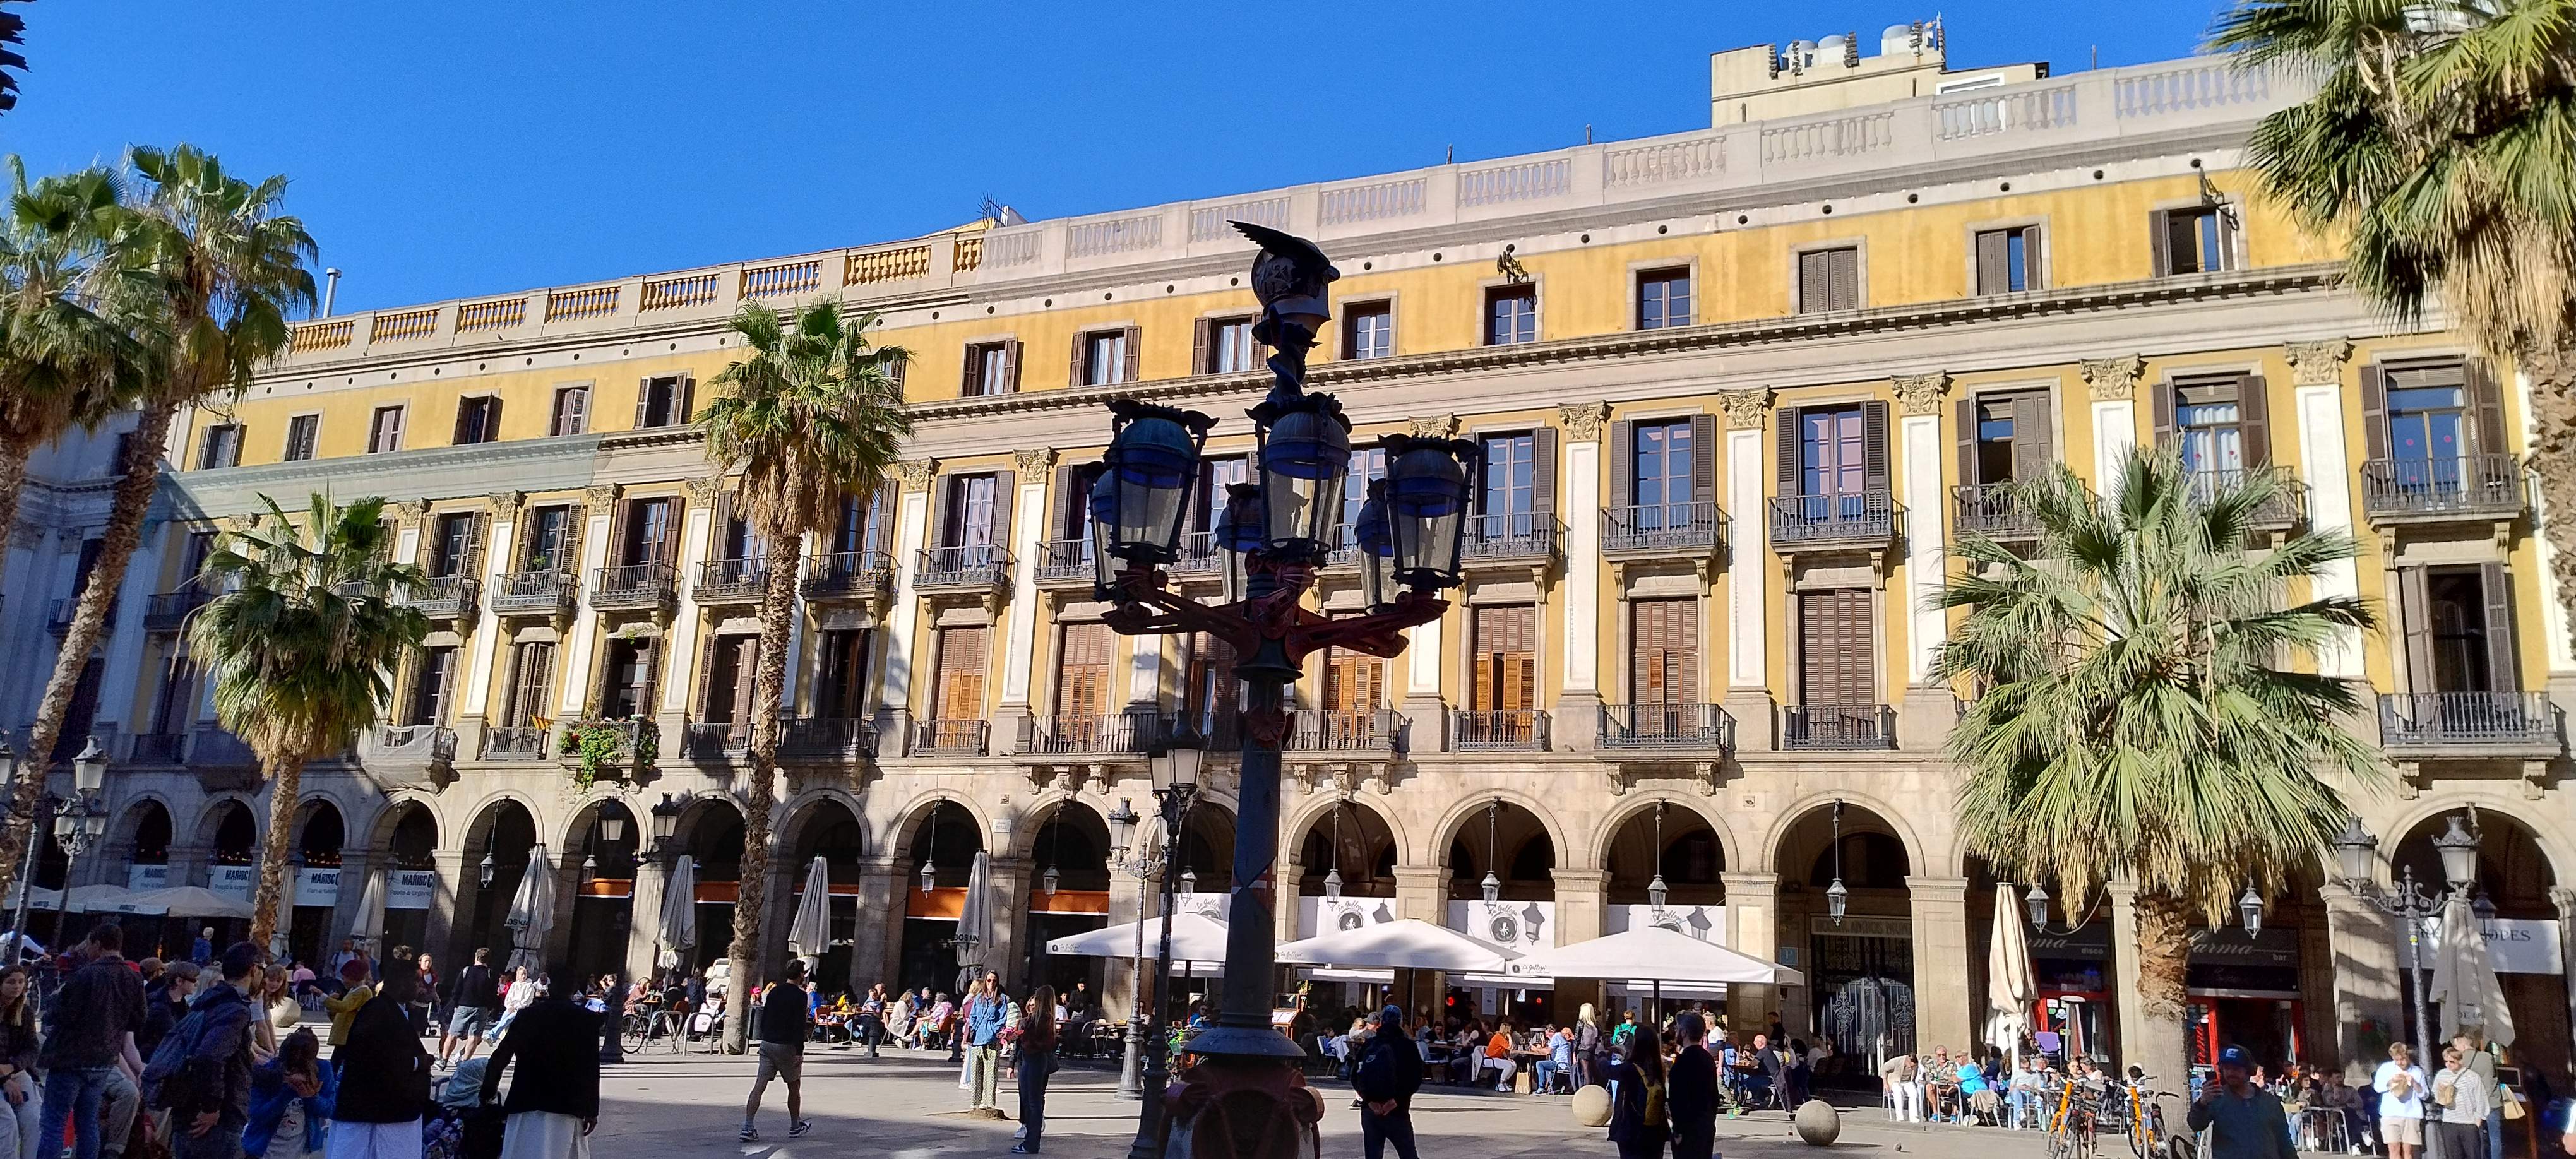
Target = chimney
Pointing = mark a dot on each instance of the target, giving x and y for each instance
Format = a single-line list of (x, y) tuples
[(330, 288)]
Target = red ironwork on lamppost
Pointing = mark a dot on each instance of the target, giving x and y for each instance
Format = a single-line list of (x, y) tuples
[(1247, 1095)]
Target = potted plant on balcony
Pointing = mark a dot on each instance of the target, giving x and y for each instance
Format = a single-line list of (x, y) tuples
[(598, 744)]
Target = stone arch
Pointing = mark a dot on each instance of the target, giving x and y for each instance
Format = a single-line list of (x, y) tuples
[(1318, 809), (321, 826), (1366, 864), (139, 812), (1525, 871), (1072, 836), (1730, 846), (220, 809), (1917, 853), (2557, 858), (1696, 853), (1023, 842), (397, 809), (810, 809), (907, 822), (1472, 805)]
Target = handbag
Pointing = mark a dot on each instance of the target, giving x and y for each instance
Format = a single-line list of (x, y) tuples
[(2506, 1100)]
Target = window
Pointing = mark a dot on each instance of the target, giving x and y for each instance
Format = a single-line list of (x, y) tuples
[(1215, 475), (2208, 417), (572, 411), (1509, 492), (862, 528), (1994, 440), (1664, 666), (2428, 417), (1210, 691), (1836, 650), (1504, 658), (959, 692), (478, 419), (1225, 346), (549, 539), (1832, 451), (192, 561), (222, 448), (533, 669), (1368, 330), (1105, 358), (1829, 279), (841, 689), (2194, 241), (1083, 666), (124, 454), (302, 432), (1663, 299), (663, 402), (1368, 464), (385, 433), (431, 683), (969, 521), (991, 368), (2004, 259), (1511, 315), (451, 549), (2457, 618), (2459, 634), (648, 533), (725, 696), (628, 689), (1662, 470)]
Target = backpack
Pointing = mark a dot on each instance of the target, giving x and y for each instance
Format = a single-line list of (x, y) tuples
[(168, 1081)]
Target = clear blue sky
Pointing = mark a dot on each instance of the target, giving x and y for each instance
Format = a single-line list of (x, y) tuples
[(465, 147)]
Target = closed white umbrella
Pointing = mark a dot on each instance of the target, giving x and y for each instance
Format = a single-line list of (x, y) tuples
[(2011, 986), (370, 921), (532, 912), (811, 931), (679, 929), (2464, 980), (974, 936), (1406, 943)]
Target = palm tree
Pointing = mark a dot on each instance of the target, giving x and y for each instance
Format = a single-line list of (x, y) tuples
[(65, 360), (2440, 148), (215, 267), (299, 643), (2142, 714), (813, 415)]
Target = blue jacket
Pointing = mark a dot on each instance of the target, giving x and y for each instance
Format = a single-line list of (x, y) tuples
[(983, 1021), (269, 1095)]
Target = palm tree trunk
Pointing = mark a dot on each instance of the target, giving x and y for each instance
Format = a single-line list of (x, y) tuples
[(13, 479), (2164, 952), (132, 498), (769, 686), (285, 792), (2553, 459)]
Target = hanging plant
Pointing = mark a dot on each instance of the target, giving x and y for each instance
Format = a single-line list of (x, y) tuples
[(596, 743)]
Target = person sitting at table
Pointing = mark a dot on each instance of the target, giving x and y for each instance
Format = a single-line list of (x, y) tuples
[(1941, 1087), (1559, 1061), (1976, 1095), (1465, 1051), (1498, 1057)]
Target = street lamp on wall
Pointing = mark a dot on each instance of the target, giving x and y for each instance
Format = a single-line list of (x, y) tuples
[(1492, 886), (1837, 898), (2249, 910), (488, 869)]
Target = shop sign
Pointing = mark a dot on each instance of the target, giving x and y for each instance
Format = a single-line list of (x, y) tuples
[(317, 885), (410, 888), (2514, 945), (1705, 922), (2089, 943), (142, 877), (2275, 946), (234, 881)]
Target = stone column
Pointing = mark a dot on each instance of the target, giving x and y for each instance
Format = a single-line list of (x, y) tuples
[(473, 704), (1129, 901), (1577, 719), (1943, 1010), (1283, 895), (1748, 607), (1582, 898), (1753, 921), (1422, 892), (883, 905), (572, 656), (2316, 369), (2564, 899), (1019, 647), (2131, 1010), (1923, 721), (700, 540), (2113, 383), (1010, 912), (777, 908), (2369, 977), (451, 925)]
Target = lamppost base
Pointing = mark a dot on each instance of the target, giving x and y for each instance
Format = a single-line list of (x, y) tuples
[(1241, 1107), (1244, 1042), (1130, 1069)]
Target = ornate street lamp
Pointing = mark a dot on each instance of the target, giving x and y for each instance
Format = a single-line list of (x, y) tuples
[(666, 827), (1333, 867), (1238, 539), (1492, 886), (2458, 846), (488, 869), (1656, 890), (2357, 863), (1174, 762), (1376, 550), (2249, 910), (1305, 453), (2035, 903), (1122, 824), (930, 858), (1145, 481), (1837, 898), (1427, 494)]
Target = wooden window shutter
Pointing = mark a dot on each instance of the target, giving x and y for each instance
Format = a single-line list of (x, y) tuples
[(617, 523), (1786, 447), (970, 372), (1703, 430), (2503, 673), (1965, 438), (1814, 283), (745, 681), (2374, 411), (1081, 364), (672, 529), (1066, 504), (1543, 471), (685, 398), (1200, 362), (882, 502), (492, 419), (706, 695), (648, 658), (1006, 487), (1135, 352), (2415, 615), (643, 401), (1994, 268), (2160, 240), (2034, 436), (2254, 419), (2486, 398), (472, 564), (1873, 457), (1011, 367), (1623, 465), (576, 532), (2160, 408), (1846, 275), (942, 495), (723, 523)]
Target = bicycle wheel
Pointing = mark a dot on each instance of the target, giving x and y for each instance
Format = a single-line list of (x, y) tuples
[(673, 1031), (2182, 1147), (632, 1031)]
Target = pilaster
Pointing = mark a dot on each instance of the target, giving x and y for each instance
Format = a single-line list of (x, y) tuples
[(1943, 1013), (1753, 918), (1422, 892), (1748, 609), (1582, 898), (1576, 720), (2113, 383)]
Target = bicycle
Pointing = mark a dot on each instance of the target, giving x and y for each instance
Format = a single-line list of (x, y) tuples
[(643, 1027), (2145, 1129), (2071, 1124)]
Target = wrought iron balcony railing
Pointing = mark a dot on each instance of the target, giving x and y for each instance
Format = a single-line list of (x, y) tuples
[(160, 748), (1095, 734), (973, 565), (2490, 486), (849, 575), (635, 585), (1509, 538), (1679, 529), (969, 738), (428, 745), (169, 610), (545, 592), (1993, 510), (443, 597), (1689, 727), (1837, 726), (2284, 510), (1064, 562), (731, 581), (1367, 731), (808, 738), (1855, 519), (714, 740), (516, 743), (2436, 719), (1498, 730)]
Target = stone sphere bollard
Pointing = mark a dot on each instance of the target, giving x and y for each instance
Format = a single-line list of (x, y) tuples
[(1592, 1106), (1819, 1124)]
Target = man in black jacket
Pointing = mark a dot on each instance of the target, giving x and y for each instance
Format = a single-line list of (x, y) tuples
[(1691, 1089), (384, 1073), (1390, 1070), (209, 1094), (554, 1096), (472, 1007)]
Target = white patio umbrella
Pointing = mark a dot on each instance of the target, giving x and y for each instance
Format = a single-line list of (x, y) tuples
[(1406, 943), (370, 922), (2464, 980), (1654, 955), (2011, 986), (810, 933), (1195, 938), (194, 901), (532, 912), (974, 936), (679, 929)]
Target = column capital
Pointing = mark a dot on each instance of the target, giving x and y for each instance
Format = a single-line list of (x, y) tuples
[(703, 489), (2318, 363), (2565, 899), (1435, 427), (26, 536), (1587, 880), (2114, 378), (917, 473), (505, 504), (1582, 420), (1920, 394), (600, 495), (1033, 462), (1751, 886), (1953, 890), (2123, 893), (1745, 408), (412, 510)]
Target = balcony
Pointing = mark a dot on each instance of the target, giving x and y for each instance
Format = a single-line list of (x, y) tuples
[(849, 575), (1498, 730), (827, 738), (1511, 538), (1837, 726), (1675, 530), (547, 592), (968, 567), (951, 738), (1683, 728), (169, 611), (2281, 512), (160, 748), (1197, 557), (731, 581), (635, 586), (1379, 731), (2470, 723), (58, 618), (442, 597), (639, 746), (1064, 563), (714, 740), (1856, 521), (1094, 734), (518, 743), (2471, 487), (412, 755), (1993, 510)]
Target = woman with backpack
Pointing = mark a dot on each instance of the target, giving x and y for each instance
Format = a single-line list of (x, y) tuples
[(291, 1099), (1638, 1123)]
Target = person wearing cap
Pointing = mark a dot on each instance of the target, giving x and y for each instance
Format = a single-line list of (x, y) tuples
[(2244, 1121), (1389, 1072)]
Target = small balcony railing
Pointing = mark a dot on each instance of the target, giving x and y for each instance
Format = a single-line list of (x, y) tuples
[(973, 565), (1367, 731), (441, 597), (2487, 486), (160, 748), (213, 746), (1837, 726), (1508, 538), (2283, 510), (1854, 519), (1680, 529), (1683, 727), (1064, 562), (169, 610), (515, 743), (731, 581), (58, 618), (1197, 555), (956, 738), (1094, 734), (1498, 730), (635, 585), (426, 745), (827, 737), (2439, 719), (714, 740), (547, 592), (849, 575), (1993, 510)]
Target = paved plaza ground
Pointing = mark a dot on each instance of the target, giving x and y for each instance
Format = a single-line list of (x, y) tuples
[(908, 1106)]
